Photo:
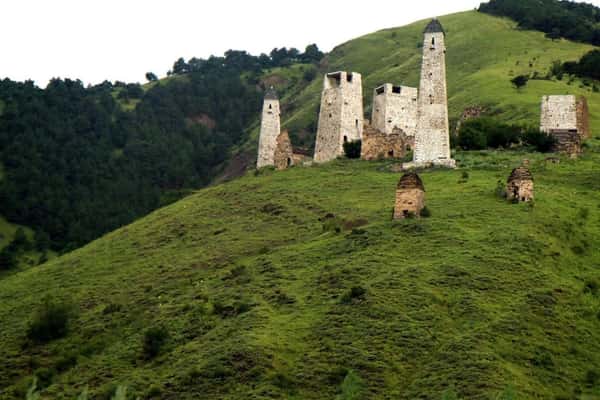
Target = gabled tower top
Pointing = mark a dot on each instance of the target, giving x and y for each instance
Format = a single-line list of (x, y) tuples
[(434, 27), (271, 94)]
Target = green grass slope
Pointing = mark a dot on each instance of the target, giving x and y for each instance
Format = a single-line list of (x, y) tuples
[(484, 54), (481, 299), (484, 300)]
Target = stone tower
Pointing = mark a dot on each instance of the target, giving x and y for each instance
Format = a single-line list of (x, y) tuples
[(432, 140), (395, 107), (567, 112), (269, 130), (341, 116), (566, 118)]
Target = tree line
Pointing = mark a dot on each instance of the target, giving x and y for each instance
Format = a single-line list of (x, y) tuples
[(579, 22)]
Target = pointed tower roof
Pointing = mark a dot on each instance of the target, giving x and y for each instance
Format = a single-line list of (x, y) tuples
[(411, 180), (520, 174), (435, 27), (271, 94)]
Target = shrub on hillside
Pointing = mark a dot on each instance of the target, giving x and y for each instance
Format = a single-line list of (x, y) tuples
[(50, 322), (425, 212), (9, 256), (356, 293), (353, 149), (153, 341), (520, 81), (485, 132), (541, 141)]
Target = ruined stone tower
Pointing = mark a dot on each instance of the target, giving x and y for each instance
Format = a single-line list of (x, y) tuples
[(432, 140), (341, 116), (395, 107), (269, 130), (565, 113), (284, 154), (566, 118)]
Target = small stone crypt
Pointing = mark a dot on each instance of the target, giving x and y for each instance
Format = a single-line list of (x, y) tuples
[(410, 196)]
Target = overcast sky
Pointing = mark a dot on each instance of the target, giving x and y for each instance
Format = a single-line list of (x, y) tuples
[(94, 40)]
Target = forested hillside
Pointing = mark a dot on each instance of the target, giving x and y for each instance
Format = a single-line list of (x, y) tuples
[(557, 18), (79, 162)]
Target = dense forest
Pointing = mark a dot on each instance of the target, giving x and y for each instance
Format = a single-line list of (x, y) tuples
[(558, 19), (80, 161)]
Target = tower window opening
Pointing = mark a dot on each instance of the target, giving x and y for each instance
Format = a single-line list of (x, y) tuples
[(270, 106), (356, 122), (345, 139), (380, 90), (334, 79), (330, 115), (349, 77), (433, 41), (396, 89)]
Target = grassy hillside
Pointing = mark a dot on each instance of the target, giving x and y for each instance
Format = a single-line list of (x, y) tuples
[(483, 298), (297, 284), (484, 54)]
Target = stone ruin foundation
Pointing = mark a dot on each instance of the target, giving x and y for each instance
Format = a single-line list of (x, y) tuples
[(377, 145), (284, 154)]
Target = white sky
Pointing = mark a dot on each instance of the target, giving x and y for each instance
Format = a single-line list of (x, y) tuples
[(94, 40)]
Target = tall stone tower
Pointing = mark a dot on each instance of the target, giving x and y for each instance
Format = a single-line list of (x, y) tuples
[(270, 128), (432, 141), (566, 112), (341, 118), (395, 107)]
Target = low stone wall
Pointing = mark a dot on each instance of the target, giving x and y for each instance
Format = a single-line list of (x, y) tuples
[(377, 145), (567, 141)]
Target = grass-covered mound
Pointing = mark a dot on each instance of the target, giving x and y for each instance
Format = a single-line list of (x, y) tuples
[(298, 285)]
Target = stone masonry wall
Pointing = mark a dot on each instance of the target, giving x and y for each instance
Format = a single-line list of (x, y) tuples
[(270, 128), (395, 107), (558, 112), (341, 116), (583, 118), (520, 190), (409, 201), (432, 142), (377, 145), (284, 154), (567, 141)]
